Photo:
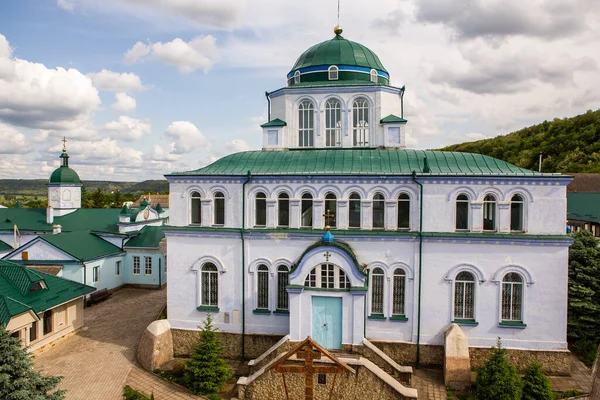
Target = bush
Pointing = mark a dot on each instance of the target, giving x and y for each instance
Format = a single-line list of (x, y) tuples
[(130, 393), (498, 379), (207, 371), (536, 386)]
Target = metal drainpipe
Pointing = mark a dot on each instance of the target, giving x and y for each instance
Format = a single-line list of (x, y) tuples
[(159, 272), (414, 177), (244, 266), (85, 283), (402, 89), (268, 107)]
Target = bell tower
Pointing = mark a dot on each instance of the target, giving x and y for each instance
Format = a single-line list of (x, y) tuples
[(64, 187)]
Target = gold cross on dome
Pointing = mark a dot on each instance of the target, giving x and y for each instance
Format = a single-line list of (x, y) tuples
[(327, 255), (64, 143)]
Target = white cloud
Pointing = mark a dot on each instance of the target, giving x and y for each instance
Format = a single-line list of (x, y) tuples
[(65, 5), (127, 128), (237, 145), (184, 137), (13, 141), (115, 81), (199, 53), (123, 102)]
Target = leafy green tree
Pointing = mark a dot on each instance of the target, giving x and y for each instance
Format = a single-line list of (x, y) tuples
[(207, 371), (18, 379), (498, 379), (536, 385), (98, 199)]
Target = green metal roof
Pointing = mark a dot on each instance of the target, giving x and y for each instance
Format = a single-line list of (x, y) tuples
[(15, 298), (275, 122), (34, 219), (358, 162), (338, 51), (391, 119), (4, 246), (84, 246), (149, 237), (64, 174), (583, 206)]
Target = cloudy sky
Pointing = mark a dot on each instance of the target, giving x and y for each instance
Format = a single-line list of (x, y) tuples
[(141, 88)]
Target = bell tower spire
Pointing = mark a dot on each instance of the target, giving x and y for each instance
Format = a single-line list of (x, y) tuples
[(64, 156)]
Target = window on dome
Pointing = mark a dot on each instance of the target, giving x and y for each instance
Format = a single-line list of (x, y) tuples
[(377, 280), (330, 208), (373, 76), (283, 206), (260, 210), (307, 211), (297, 77), (333, 123), (196, 208), (333, 73), (360, 123), (378, 211), (262, 285), (489, 213), (512, 297), (306, 123), (403, 211), (219, 208), (516, 213), (399, 292), (462, 212), (354, 211), (209, 293), (464, 296), (282, 282)]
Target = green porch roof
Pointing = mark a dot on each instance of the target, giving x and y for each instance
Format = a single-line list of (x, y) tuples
[(358, 162), (583, 206), (5, 246), (392, 119), (15, 298), (34, 220), (149, 237), (275, 122), (84, 246)]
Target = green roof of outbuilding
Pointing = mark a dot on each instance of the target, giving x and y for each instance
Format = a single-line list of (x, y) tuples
[(358, 162), (583, 206), (275, 122), (339, 51), (15, 298), (4, 246), (390, 119), (64, 174), (84, 246), (149, 236), (34, 219)]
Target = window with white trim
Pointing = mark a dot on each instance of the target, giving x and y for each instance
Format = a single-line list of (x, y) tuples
[(333, 123), (297, 77), (344, 282), (118, 268), (262, 287), (489, 213), (462, 212), (306, 218), (327, 276), (209, 285), (196, 208), (96, 274), (378, 211), (283, 210), (377, 282), (354, 215), (306, 123), (333, 73), (403, 211), (512, 297), (331, 208), (464, 296), (260, 209), (516, 213), (219, 199), (136, 265), (147, 265), (283, 279), (398, 292), (373, 75), (360, 123)]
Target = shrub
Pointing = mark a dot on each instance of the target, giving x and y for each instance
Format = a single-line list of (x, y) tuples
[(130, 393), (498, 379), (536, 386), (207, 371)]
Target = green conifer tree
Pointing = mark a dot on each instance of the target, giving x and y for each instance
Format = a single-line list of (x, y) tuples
[(498, 379), (207, 371), (18, 379), (536, 385)]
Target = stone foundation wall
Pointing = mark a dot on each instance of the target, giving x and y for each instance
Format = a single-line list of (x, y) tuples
[(406, 353), (184, 342)]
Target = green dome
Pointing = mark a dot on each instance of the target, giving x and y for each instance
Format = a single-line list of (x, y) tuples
[(64, 174)]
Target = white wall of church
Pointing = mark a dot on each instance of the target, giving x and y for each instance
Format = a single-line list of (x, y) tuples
[(64, 197), (41, 250)]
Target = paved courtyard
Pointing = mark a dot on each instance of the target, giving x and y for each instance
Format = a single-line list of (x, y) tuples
[(96, 362)]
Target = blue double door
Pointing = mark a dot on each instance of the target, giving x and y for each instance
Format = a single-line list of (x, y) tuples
[(327, 321)]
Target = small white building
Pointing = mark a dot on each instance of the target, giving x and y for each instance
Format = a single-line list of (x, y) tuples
[(418, 240)]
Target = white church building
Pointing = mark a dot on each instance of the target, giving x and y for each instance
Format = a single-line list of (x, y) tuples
[(336, 230)]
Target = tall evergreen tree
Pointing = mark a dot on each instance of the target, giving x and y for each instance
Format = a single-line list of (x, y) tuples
[(498, 379), (207, 371), (536, 385), (18, 379)]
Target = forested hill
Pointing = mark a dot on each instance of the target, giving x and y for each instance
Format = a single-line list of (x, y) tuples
[(568, 145), (37, 187)]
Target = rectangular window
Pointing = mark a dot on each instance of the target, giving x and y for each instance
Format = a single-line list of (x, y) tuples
[(398, 294), (282, 295), (394, 135), (377, 294), (48, 322), (136, 265), (148, 265), (263, 289), (33, 331), (24, 255), (118, 268), (96, 274), (327, 276), (512, 297), (312, 278), (272, 137)]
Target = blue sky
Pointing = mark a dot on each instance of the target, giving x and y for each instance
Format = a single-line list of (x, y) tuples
[(141, 88)]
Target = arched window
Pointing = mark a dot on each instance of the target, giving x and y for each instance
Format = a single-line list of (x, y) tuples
[(516, 213), (354, 210), (333, 123), (377, 279), (282, 282), (262, 287), (283, 210), (297, 77), (403, 211), (378, 211), (512, 297), (333, 73), (360, 123), (307, 211), (489, 213), (373, 76), (462, 212), (306, 123), (327, 276), (196, 208), (344, 282), (219, 199), (209, 285), (399, 292), (464, 296), (260, 209), (330, 209)]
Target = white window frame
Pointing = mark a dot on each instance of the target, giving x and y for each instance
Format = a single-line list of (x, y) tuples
[(147, 265), (118, 268), (523, 293), (333, 73), (310, 199), (379, 274), (399, 272), (334, 211), (282, 290), (352, 199), (208, 275), (317, 273), (382, 201), (464, 284), (219, 196), (522, 216), (333, 132), (306, 123), (373, 75), (468, 202), (256, 200), (96, 274), (137, 262), (262, 288), (403, 198), (490, 206), (283, 201), (297, 77), (195, 197), (361, 122)]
